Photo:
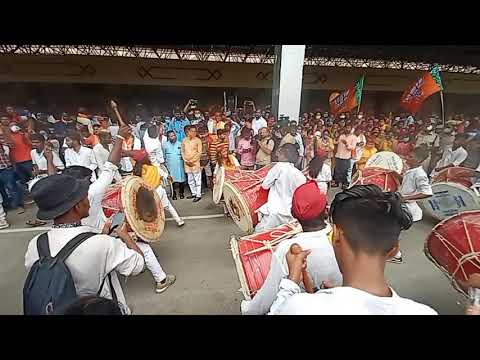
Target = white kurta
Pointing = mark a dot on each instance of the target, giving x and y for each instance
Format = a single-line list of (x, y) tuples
[(453, 157), (324, 177), (257, 124), (342, 300), (282, 180), (415, 181), (154, 149), (84, 157), (96, 218), (90, 263), (321, 264), (101, 156)]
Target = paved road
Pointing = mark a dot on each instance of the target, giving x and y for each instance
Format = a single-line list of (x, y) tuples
[(207, 281)]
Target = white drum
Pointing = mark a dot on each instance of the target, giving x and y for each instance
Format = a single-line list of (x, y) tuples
[(450, 199), (386, 160), (218, 187)]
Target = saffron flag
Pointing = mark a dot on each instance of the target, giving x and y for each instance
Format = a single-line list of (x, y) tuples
[(430, 83), (347, 99)]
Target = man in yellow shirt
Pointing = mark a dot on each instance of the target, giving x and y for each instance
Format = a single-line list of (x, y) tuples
[(191, 153)]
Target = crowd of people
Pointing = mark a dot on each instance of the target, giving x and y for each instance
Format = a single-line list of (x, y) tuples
[(65, 163)]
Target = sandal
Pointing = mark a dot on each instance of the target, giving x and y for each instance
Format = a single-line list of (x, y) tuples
[(35, 223)]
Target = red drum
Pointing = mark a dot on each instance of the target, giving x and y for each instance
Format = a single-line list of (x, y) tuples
[(456, 174), (454, 247), (253, 254), (243, 195), (141, 205), (387, 180)]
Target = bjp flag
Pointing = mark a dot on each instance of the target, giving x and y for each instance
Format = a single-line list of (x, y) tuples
[(348, 99), (430, 83)]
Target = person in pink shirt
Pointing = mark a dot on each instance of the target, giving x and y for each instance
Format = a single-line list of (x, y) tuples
[(245, 149), (347, 143)]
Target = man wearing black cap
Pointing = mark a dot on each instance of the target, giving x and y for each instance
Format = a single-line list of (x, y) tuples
[(361, 246), (308, 207), (65, 200)]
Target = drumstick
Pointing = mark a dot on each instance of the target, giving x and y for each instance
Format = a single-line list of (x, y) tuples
[(114, 106), (307, 279)]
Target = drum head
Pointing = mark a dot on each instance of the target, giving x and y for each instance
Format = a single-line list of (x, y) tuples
[(218, 188), (143, 209), (457, 174), (237, 207), (450, 199), (453, 246), (386, 160)]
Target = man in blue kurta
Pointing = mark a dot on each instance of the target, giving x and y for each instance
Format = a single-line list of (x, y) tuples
[(178, 124), (172, 152)]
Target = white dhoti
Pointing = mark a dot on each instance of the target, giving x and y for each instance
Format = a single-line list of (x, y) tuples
[(195, 183), (167, 205), (271, 221), (151, 262)]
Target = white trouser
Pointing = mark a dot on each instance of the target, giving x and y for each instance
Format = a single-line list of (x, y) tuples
[(167, 205), (271, 221), (195, 183), (3, 216), (151, 262)]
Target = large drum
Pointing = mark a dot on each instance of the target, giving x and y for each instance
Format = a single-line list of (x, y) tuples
[(385, 160), (141, 205), (454, 247), (218, 186), (456, 174), (253, 254), (387, 180), (450, 198), (243, 194)]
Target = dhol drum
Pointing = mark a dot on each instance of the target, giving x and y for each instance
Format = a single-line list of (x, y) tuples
[(166, 183), (243, 195), (456, 174), (387, 180), (385, 160), (253, 254), (454, 247), (449, 198), (141, 205)]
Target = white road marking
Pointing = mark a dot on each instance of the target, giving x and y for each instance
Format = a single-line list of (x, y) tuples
[(46, 228)]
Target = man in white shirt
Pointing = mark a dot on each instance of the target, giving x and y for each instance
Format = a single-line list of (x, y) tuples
[(38, 157), (102, 150), (153, 145), (79, 155), (366, 227), (415, 186), (258, 122), (281, 181), (453, 156), (64, 199), (308, 207)]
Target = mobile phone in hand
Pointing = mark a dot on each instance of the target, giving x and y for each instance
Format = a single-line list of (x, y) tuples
[(117, 220)]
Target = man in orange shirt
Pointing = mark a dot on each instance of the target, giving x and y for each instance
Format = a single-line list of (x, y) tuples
[(21, 159), (346, 144), (191, 152)]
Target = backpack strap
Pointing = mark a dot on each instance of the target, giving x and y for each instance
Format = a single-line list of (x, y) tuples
[(72, 245), (112, 289), (42, 246)]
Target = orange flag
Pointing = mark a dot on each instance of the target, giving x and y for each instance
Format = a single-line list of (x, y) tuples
[(430, 83)]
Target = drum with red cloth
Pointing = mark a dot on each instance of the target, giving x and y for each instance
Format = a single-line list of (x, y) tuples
[(387, 180), (243, 195), (456, 174), (454, 247), (253, 254), (141, 205)]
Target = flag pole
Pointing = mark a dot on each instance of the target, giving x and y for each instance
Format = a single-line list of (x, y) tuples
[(443, 108)]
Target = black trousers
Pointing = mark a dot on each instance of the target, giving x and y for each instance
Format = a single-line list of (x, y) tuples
[(341, 169), (181, 187)]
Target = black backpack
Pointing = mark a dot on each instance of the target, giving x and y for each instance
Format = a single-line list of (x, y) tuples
[(49, 284)]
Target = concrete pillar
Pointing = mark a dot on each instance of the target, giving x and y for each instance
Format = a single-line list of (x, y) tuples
[(287, 81)]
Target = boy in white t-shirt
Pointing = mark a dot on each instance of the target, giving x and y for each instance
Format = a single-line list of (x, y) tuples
[(366, 226)]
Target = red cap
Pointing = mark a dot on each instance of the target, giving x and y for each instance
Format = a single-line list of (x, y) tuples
[(308, 201)]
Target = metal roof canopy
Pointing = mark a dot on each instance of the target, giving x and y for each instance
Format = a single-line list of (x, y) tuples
[(458, 59)]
